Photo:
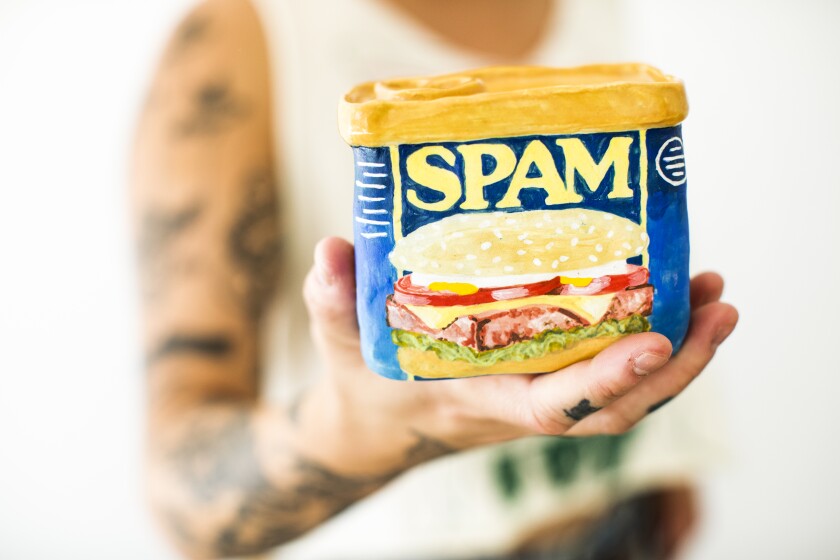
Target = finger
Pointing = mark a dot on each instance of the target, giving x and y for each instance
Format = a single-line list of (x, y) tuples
[(710, 326), (706, 288), (330, 294), (557, 401)]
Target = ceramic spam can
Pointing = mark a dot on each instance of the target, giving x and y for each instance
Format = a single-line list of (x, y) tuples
[(516, 219)]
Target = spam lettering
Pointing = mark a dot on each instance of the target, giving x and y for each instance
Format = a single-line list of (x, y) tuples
[(564, 169)]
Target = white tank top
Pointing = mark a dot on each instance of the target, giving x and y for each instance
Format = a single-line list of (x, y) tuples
[(483, 501)]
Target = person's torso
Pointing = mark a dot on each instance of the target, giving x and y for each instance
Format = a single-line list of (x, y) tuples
[(486, 500)]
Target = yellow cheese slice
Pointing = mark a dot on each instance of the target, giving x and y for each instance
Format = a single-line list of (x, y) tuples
[(590, 308)]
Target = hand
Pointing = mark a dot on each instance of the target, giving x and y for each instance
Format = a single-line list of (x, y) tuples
[(605, 395)]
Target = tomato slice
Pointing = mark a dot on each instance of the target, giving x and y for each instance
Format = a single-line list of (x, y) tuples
[(406, 292), (635, 276)]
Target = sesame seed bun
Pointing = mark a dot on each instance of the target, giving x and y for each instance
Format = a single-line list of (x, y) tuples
[(513, 243)]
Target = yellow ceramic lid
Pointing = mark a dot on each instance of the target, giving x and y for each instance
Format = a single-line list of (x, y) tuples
[(511, 101)]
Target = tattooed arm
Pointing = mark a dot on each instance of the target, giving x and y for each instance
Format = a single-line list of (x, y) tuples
[(231, 475), (227, 475)]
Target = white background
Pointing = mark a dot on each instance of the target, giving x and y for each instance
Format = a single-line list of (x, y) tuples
[(763, 147)]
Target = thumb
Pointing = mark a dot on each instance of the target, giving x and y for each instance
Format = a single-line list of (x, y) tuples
[(330, 295)]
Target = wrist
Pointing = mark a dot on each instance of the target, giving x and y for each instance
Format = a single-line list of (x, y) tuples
[(351, 430)]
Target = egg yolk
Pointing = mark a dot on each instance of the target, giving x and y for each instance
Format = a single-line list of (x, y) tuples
[(576, 282), (460, 288)]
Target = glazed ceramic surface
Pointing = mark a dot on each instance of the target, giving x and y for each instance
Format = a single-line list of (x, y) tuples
[(516, 220)]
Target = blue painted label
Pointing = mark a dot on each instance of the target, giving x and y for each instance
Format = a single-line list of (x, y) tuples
[(538, 202)]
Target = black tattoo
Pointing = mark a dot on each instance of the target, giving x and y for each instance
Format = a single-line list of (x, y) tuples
[(337, 491), (211, 346), (191, 31), (194, 28), (214, 109), (269, 516), (215, 454), (159, 229), (660, 404), (217, 462), (426, 449), (254, 243), (581, 410)]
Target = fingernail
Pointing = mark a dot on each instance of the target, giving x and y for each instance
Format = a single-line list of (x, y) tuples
[(721, 335), (646, 363)]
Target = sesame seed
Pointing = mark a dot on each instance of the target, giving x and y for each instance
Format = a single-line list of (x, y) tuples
[(644, 236), (608, 217), (582, 217), (558, 231), (508, 269), (528, 242), (555, 263), (575, 241), (443, 245), (639, 250), (599, 248), (619, 253), (510, 221), (484, 224), (471, 257), (457, 234), (537, 262), (591, 229), (549, 246), (628, 227), (523, 236), (498, 233), (486, 245), (593, 258), (538, 224), (521, 252), (626, 245), (610, 233), (575, 225), (497, 260), (563, 258)]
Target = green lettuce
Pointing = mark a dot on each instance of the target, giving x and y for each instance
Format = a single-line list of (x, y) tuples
[(542, 344)]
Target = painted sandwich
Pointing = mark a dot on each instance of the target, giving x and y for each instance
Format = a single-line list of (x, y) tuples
[(521, 292)]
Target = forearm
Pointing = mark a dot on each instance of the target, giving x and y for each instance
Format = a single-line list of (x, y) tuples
[(210, 488), (232, 477), (207, 220)]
